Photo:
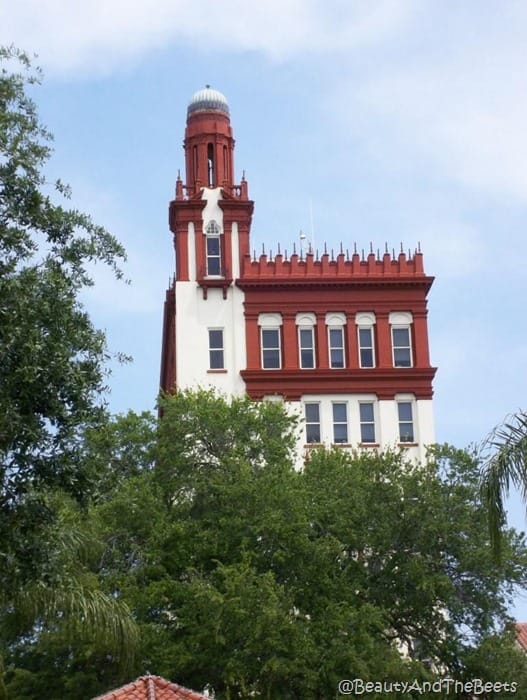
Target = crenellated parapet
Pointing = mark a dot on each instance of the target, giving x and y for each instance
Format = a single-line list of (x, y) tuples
[(330, 266)]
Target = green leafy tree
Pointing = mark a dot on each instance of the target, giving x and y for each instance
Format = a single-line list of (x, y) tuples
[(52, 363), (257, 580)]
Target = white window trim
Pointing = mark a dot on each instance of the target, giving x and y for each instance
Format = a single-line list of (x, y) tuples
[(360, 347), (346, 422), (335, 327), (409, 346), (412, 404), (319, 422), (312, 331), (373, 422), (213, 230), (271, 328), (217, 349)]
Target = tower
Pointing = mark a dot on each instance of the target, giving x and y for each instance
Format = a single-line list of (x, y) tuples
[(341, 337)]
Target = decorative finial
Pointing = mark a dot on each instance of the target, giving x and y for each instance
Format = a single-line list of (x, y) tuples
[(208, 87)]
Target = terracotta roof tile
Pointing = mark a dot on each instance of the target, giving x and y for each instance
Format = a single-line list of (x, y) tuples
[(152, 688), (521, 634)]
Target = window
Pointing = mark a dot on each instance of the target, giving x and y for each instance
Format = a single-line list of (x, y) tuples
[(367, 422), (366, 356), (401, 323), (336, 348), (213, 249), (402, 350), (340, 422), (306, 344), (365, 321), (406, 423), (312, 414), (306, 322), (270, 348), (216, 359)]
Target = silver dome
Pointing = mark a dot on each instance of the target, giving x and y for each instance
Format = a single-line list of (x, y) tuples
[(207, 99)]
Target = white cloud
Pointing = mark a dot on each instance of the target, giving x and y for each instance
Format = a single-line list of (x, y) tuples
[(73, 36), (459, 112)]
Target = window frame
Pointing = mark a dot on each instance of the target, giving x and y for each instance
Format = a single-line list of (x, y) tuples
[(341, 348), (302, 329), (216, 350), (339, 423), (403, 421), (308, 423), (365, 422), (264, 349), (408, 347), (213, 233), (366, 348)]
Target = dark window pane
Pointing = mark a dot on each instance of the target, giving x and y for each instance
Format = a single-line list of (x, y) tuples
[(366, 358), (367, 432), (312, 432), (405, 411), (337, 358), (339, 412), (271, 359), (340, 433), (401, 337), (216, 340), (406, 432), (307, 360), (312, 412), (270, 338), (366, 412), (306, 338), (216, 359), (365, 337), (401, 357), (335, 337), (213, 245), (213, 266)]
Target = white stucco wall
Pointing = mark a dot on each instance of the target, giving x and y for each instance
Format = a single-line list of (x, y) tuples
[(196, 315)]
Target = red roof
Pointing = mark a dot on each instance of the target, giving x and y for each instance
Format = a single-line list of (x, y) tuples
[(152, 688), (521, 634)]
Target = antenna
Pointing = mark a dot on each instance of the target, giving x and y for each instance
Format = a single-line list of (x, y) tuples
[(312, 223)]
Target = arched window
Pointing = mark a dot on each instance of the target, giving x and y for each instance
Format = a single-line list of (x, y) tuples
[(213, 244), (335, 323), (365, 322), (401, 325)]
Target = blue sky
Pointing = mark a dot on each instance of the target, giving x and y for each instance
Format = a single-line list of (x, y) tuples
[(394, 120)]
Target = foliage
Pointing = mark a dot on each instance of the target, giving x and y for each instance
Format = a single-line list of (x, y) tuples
[(52, 376), (505, 465), (256, 580)]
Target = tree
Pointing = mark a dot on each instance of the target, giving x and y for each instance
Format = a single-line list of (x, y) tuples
[(257, 580), (506, 465), (52, 362)]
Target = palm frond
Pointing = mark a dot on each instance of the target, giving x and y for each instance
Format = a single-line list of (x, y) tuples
[(82, 613), (504, 466)]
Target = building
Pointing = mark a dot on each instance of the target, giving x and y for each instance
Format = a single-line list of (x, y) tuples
[(340, 337), (152, 688)]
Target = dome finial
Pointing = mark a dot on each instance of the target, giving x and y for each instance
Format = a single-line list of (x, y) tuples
[(208, 100)]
